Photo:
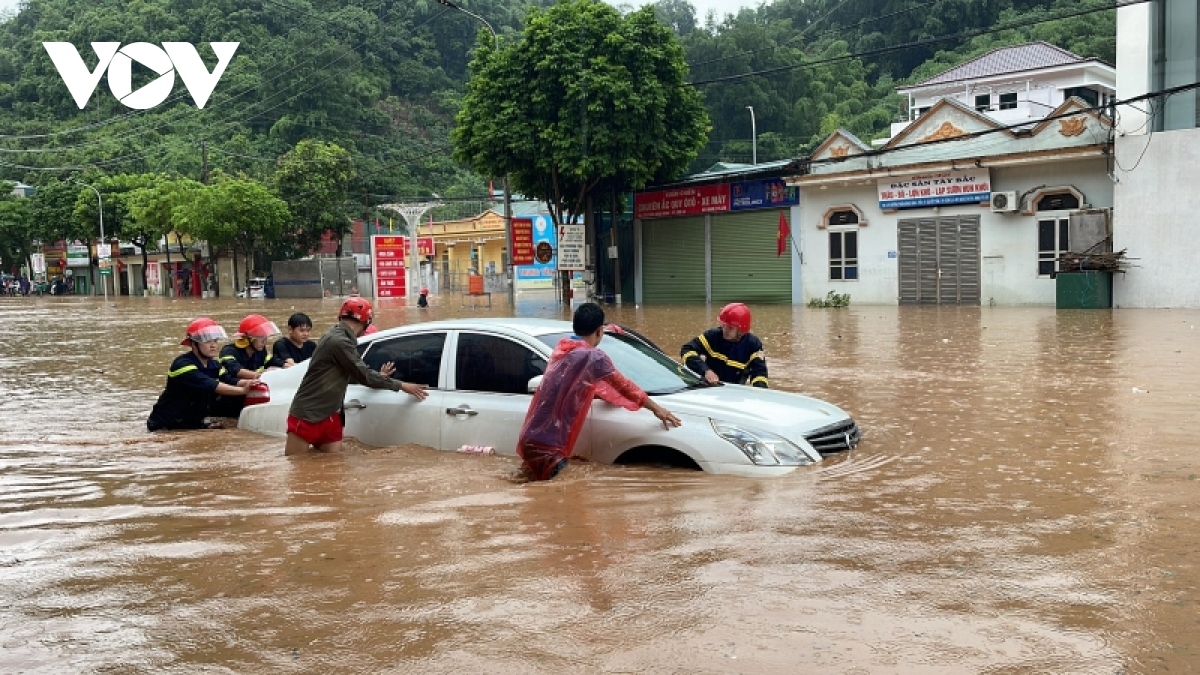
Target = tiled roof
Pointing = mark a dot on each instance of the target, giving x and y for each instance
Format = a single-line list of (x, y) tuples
[(1014, 59)]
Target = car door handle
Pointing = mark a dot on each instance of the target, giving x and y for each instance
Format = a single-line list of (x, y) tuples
[(461, 410), (354, 404)]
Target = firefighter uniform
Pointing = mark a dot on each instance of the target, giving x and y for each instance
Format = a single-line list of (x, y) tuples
[(235, 358), (189, 395), (740, 362)]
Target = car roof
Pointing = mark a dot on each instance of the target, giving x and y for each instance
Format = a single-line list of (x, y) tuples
[(528, 326)]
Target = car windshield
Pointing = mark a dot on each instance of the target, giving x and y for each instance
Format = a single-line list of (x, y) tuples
[(649, 368)]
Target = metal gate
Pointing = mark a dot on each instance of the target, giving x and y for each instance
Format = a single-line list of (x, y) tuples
[(939, 261), (673, 261), (745, 267)]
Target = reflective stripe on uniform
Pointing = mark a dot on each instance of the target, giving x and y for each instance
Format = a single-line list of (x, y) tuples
[(181, 371), (689, 355), (716, 355), (757, 379)]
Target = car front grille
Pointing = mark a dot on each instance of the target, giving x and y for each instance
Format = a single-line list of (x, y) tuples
[(835, 437)]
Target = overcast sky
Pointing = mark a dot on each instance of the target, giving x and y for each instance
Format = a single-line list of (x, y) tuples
[(721, 7), (702, 6)]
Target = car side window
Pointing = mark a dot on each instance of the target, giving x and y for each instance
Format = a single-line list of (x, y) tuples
[(495, 364), (418, 358)]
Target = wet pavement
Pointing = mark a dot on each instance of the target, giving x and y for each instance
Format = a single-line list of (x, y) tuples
[(1024, 501)]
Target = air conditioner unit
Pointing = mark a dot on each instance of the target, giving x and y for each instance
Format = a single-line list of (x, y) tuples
[(1004, 202)]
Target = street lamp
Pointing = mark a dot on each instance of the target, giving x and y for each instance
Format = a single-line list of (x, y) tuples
[(512, 277), (753, 136), (100, 203)]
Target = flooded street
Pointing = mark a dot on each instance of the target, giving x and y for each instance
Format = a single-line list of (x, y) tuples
[(1024, 501)]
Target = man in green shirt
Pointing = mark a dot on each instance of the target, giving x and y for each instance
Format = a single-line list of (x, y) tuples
[(315, 419)]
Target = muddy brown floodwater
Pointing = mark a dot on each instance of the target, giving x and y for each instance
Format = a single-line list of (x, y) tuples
[(1024, 501)]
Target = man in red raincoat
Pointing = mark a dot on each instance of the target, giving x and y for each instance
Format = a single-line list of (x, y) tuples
[(577, 373)]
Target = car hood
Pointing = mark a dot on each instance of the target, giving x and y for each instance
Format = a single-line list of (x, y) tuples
[(755, 407)]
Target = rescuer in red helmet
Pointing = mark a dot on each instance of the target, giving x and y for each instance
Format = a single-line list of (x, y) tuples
[(247, 357), (194, 381), (315, 419), (729, 352)]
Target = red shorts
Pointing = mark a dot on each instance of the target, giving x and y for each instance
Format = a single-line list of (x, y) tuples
[(328, 430)]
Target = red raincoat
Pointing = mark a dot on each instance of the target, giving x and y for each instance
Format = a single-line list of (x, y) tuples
[(577, 374)]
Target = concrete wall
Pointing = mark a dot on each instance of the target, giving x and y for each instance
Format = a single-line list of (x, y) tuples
[(1133, 65), (1155, 218), (1008, 241)]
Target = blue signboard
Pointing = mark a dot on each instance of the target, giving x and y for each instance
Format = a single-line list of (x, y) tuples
[(762, 194), (545, 245)]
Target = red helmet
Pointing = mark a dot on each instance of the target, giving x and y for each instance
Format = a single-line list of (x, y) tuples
[(358, 309), (737, 315), (203, 329), (257, 326), (424, 290)]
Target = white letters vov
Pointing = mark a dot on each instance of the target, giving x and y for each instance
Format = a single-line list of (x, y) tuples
[(180, 57)]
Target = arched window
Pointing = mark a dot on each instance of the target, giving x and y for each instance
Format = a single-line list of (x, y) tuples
[(1054, 229), (842, 223)]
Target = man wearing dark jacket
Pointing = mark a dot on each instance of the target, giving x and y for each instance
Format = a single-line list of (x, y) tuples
[(315, 420), (728, 353)]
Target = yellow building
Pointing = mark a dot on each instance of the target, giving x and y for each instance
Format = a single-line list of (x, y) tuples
[(477, 243)]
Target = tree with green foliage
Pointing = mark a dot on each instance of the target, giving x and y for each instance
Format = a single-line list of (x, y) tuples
[(16, 228), (232, 213), (313, 180), (587, 99), (153, 210)]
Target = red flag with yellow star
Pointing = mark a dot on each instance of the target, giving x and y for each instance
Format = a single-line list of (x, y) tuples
[(782, 237)]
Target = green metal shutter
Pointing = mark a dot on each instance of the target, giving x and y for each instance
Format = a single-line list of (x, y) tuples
[(745, 267), (673, 261)]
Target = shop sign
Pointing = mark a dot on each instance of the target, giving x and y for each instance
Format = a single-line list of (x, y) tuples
[(78, 255), (762, 194), (681, 201), (935, 189), (105, 267)]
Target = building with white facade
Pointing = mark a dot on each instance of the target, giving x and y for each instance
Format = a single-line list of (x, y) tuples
[(1157, 152), (1003, 166)]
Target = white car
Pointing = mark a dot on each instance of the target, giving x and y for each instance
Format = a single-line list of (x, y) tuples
[(481, 372), (255, 288)]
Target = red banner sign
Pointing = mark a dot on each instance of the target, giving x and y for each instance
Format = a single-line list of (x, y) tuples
[(522, 241), (387, 265), (681, 201)]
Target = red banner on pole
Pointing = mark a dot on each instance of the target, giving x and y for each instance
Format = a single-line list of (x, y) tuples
[(387, 265), (522, 241)]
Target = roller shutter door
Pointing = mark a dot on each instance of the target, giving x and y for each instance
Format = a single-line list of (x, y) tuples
[(939, 261), (673, 261), (744, 265)]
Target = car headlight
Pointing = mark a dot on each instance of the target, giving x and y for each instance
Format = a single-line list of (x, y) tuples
[(762, 447)]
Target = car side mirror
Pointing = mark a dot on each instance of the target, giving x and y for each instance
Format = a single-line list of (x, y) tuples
[(534, 383)]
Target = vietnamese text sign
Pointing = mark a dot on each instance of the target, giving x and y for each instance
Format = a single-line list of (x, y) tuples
[(762, 194), (424, 245), (106, 267), (570, 247), (935, 189), (522, 241), (39, 263), (78, 255), (387, 265), (681, 202)]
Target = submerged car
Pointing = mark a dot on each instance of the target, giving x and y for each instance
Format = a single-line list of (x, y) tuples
[(481, 374)]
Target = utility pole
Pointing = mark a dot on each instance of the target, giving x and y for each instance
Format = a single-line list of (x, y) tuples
[(510, 270), (204, 162)]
